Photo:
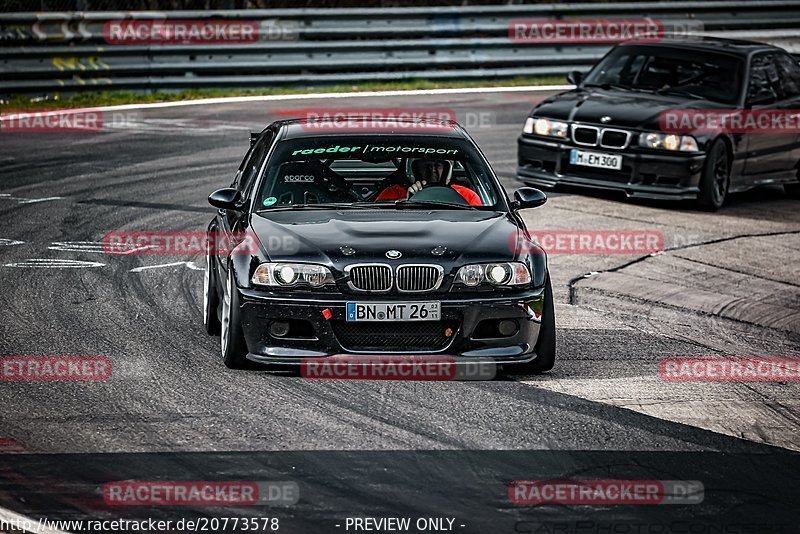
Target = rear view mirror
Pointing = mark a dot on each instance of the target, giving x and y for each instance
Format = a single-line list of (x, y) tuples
[(528, 197), (226, 199)]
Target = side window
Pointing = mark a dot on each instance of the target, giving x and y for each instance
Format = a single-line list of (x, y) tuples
[(249, 173), (789, 77), (763, 80), (237, 179)]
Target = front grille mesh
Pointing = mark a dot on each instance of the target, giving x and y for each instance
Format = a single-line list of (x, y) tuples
[(585, 136), (614, 139), (371, 277), (418, 277), (393, 336)]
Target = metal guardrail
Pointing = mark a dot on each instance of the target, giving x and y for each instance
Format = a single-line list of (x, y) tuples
[(43, 53)]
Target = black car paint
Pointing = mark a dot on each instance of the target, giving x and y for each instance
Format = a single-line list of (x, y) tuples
[(756, 158), (319, 236)]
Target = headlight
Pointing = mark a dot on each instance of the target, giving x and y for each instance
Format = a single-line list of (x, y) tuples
[(291, 274), (546, 127), (470, 275), (498, 274), (528, 128), (682, 143)]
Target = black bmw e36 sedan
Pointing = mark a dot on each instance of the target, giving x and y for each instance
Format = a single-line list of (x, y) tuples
[(387, 242), (610, 133)]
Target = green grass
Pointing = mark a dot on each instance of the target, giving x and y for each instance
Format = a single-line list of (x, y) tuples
[(110, 98)]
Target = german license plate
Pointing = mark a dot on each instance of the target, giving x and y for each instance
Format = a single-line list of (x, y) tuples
[(595, 159), (393, 311)]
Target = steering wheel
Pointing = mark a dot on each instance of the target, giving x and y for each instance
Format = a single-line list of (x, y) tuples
[(439, 193)]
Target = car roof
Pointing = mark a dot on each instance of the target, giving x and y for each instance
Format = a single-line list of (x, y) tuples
[(711, 44), (303, 128)]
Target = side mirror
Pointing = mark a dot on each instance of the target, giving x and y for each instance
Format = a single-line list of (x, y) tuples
[(226, 199), (575, 77), (528, 197)]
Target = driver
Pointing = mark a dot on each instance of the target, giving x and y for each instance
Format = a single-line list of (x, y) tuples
[(428, 172)]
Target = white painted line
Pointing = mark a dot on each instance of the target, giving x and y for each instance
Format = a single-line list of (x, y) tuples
[(77, 246), (53, 263), (307, 96), (23, 200), (9, 242), (31, 525), (146, 267), (193, 266), (129, 251), (35, 200)]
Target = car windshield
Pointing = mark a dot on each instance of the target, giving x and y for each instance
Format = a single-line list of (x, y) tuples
[(710, 76), (379, 171)]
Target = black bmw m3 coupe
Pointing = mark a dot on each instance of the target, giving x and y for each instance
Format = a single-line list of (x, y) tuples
[(380, 241)]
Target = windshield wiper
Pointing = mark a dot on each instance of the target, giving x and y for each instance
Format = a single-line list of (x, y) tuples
[(431, 204), (331, 206)]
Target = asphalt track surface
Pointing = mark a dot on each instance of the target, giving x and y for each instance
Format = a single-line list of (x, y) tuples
[(727, 284)]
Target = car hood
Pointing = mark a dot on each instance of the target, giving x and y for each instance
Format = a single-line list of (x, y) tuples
[(342, 237), (624, 108)]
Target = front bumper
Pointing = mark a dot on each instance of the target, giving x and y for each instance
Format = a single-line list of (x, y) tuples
[(643, 174), (461, 314)]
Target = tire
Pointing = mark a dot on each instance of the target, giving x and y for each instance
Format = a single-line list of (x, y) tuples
[(715, 181), (210, 299), (792, 190), (546, 344), (232, 344)]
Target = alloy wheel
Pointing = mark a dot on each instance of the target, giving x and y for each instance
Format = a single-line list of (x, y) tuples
[(226, 315)]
